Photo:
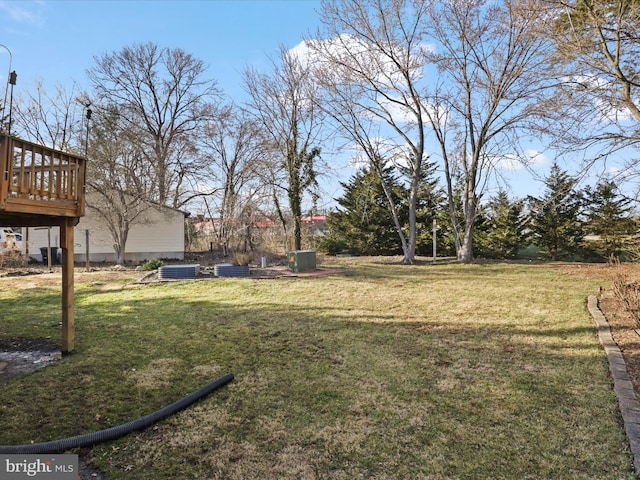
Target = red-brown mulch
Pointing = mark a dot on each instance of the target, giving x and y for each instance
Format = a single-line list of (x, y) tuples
[(625, 326)]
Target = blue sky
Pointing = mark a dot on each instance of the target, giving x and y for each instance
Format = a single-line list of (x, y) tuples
[(56, 40)]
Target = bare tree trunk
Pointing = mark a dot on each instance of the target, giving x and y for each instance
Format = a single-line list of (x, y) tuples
[(285, 104), (369, 68), (465, 253), (393, 210)]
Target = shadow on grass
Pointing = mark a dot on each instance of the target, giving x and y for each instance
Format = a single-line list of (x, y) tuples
[(323, 389)]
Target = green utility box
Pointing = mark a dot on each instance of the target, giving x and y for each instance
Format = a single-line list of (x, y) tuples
[(302, 261)]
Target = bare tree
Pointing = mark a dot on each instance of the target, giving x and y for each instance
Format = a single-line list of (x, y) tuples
[(49, 119), (492, 80), (234, 147), (118, 178), (597, 50), (370, 62), (468, 75), (116, 175), (165, 97), (285, 104)]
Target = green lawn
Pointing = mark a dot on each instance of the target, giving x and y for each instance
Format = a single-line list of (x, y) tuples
[(488, 371)]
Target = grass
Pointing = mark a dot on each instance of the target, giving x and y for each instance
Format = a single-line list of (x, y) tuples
[(484, 371)]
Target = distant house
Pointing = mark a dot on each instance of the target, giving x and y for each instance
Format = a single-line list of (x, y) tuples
[(205, 226), (264, 222), (160, 235), (316, 223)]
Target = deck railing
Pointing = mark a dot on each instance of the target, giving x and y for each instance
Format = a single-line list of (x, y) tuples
[(40, 180)]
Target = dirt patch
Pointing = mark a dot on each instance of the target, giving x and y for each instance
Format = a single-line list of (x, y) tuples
[(625, 324), (19, 356), (626, 333)]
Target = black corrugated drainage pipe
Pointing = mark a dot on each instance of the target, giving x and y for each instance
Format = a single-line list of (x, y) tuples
[(90, 439)]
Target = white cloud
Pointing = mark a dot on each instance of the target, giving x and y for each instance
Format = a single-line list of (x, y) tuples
[(602, 91), (512, 161), (358, 55), (30, 13), (301, 51)]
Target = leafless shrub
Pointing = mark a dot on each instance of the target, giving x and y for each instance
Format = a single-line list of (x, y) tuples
[(12, 259), (628, 292), (240, 258)]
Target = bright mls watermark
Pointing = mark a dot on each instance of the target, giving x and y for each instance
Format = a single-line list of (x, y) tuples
[(49, 467)]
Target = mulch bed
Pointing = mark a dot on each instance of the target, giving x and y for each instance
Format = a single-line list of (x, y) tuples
[(625, 328), (626, 333)]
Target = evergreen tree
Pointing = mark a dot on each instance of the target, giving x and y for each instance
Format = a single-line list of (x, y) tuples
[(431, 200), (555, 218), (501, 231), (608, 220), (446, 236), (362, 224)]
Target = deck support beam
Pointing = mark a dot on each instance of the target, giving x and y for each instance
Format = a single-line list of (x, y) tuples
[(42, 187), (68, 317)]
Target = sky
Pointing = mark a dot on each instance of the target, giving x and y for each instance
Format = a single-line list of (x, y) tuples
[(55, 41)]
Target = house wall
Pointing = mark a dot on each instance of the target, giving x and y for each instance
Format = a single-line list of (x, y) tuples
[(160, 236)]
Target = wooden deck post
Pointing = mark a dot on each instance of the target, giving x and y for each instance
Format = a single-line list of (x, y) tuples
[(66, 242), (43, 187)]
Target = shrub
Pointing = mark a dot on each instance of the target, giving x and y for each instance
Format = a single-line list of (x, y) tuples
[(152, 264), (12, 259), (242, 259)]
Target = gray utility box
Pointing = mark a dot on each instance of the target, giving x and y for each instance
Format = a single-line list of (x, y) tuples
[(302, 261)]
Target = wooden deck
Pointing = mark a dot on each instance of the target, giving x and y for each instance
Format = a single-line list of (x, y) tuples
[(39, 186)]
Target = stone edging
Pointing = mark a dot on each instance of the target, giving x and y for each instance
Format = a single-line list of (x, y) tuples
[(622, 385)]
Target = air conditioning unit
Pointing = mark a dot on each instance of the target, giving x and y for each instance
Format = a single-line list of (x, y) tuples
[(302, 261)]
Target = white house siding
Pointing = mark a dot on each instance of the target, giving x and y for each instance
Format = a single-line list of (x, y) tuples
[(160, 236)]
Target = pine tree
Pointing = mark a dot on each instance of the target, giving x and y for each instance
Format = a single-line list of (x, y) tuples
[(501, 232), (608, 220), (363, 225), (431, 201), (555, 218)]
